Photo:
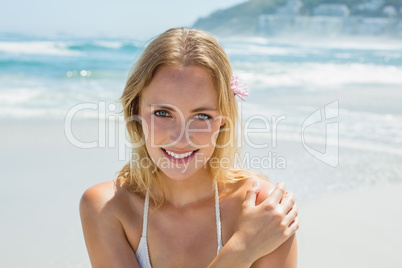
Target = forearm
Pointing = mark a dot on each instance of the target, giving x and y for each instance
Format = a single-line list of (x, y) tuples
[(233, 254)]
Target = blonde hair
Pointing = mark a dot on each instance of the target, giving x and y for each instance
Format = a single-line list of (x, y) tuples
[(184, 47)]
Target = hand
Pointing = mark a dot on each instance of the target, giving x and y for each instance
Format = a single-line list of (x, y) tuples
[(263, 228)]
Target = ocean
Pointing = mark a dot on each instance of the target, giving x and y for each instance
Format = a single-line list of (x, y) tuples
[(322, 115), (45, 77)]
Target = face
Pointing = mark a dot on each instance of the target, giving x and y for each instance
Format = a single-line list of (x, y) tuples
[(180, 119)]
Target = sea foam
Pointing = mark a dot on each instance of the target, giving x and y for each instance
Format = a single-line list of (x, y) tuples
[(37, 48)]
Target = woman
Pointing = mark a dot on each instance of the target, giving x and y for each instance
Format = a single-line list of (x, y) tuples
[(179, 202)]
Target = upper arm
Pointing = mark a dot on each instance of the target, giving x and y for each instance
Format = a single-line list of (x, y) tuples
[(104, 234), (285, 256)]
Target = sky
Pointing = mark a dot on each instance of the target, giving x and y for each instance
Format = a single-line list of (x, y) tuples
[(114, 18)]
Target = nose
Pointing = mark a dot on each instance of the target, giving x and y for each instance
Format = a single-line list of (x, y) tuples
[(179, 135)]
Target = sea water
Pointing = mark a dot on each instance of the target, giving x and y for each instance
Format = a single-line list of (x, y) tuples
[(322, 115)]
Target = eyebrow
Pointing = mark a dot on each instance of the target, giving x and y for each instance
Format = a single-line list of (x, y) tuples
[(169, 108)]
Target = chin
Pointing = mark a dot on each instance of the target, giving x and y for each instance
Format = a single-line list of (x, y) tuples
[(179, 173)]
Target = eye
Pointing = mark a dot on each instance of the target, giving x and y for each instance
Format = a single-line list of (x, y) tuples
[(203, 116), (161, 113)]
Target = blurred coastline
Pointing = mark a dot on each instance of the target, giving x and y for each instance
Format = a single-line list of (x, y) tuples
[(312, 18)]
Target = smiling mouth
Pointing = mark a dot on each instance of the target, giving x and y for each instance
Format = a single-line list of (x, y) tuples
[(184, 156)]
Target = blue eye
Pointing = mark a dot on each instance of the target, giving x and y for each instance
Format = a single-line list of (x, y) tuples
[(161, 113), (203, 116)]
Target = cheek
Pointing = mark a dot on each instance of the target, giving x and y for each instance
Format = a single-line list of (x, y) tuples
[(155, 127), (161, 125), (204, 133)]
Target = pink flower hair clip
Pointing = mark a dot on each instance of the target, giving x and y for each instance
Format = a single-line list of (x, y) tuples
[(238, 88)]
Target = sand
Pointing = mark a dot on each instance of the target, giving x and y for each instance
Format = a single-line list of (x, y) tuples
[(43, 177), (360, 228)]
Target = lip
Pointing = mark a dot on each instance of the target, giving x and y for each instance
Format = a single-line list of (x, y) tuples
[(179, 152), (181, 160)]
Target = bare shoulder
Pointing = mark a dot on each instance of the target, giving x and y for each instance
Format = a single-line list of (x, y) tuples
[(96, 197), (102, 210), (108, 197)]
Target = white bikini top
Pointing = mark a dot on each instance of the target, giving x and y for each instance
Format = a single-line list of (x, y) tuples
[(142, 253)]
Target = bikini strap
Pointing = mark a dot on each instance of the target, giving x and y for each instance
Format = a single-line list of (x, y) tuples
[(218, 219), (145, 217)]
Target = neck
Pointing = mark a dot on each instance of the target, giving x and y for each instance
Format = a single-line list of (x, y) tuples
[(182, 193)]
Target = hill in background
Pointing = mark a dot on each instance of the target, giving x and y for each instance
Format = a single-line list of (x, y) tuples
[(241, 19), (259, 17)]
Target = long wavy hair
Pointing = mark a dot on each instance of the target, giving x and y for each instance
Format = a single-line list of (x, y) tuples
[(183, 47)]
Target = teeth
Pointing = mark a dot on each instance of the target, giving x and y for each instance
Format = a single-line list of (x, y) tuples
[(178, 156)]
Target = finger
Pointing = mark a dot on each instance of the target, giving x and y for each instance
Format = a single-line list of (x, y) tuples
[(277, 194), (288, 201), (251, 195), (291, 216), (294, 226), (294, 208)]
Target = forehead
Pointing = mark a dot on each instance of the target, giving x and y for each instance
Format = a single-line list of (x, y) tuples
[(181, 86)]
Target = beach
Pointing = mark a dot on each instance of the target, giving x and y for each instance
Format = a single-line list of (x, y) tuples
[(360, 228), (45, 176), (323, 117)]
